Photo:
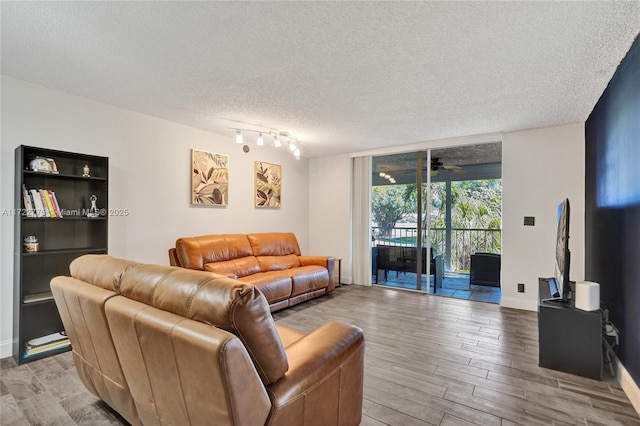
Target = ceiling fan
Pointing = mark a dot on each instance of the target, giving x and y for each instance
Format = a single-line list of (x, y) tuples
[(437, 164)]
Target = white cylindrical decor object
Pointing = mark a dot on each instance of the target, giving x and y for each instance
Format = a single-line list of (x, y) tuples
[(587, 296)]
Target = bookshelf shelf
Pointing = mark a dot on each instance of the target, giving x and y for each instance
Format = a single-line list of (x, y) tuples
[(45, 296), (63, 176), (86, 250), (60, 239), (66, 218)]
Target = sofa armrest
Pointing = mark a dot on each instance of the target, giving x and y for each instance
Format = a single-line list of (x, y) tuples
[(316, 260), (324, 261), (173, 257), (324, 378)]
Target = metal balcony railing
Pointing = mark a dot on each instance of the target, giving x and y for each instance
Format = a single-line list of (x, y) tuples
[(464, 242)]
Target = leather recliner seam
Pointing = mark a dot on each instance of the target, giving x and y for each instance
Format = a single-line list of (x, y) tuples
[(175, 358), (144, 362), (225, 372), (94, 347)]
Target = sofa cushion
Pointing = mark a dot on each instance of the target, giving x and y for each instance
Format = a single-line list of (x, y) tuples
[(289, 335), (275, 285), (308, 278), (219, 301), (194, 252), (274, 244), (278, 263), (239, 267)]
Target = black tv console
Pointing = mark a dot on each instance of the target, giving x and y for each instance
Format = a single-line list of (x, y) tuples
[(570, 339)]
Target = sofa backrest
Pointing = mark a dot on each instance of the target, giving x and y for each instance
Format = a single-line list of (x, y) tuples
[(229, 304), (237, 255), (195, 252), (100, 270), (274, 244)]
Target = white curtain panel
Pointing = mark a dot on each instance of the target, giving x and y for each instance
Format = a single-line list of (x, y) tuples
[(361, 220)]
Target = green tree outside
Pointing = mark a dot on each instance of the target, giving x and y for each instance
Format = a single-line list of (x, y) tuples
[(476, 204), (390, 204)]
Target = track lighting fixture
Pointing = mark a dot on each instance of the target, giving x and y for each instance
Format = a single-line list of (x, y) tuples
[(277, 139)]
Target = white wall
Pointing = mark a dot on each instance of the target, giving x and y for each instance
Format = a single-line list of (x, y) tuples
[(540, 168), (149, 167), (330, 209)]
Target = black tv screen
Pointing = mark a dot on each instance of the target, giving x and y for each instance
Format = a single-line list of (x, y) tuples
[(562, 253)]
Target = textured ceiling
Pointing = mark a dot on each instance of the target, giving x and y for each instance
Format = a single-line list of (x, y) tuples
[(341, 76)]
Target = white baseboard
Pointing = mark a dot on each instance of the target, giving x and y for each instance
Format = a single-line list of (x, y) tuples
[(629, 385), (6, 348), (519, 303)]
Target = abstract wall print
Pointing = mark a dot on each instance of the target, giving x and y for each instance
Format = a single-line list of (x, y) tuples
[(209, 178), (268, 188)]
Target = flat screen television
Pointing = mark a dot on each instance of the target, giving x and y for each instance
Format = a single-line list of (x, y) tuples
[(559, 287)]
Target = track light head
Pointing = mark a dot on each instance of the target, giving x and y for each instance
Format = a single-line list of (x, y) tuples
[(260, 140), (276, 142), (239, 137)]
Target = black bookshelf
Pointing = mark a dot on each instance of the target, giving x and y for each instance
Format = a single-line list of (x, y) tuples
[(60, 239)]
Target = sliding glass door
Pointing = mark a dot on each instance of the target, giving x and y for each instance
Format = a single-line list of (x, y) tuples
[(400, 209), (431, 211)]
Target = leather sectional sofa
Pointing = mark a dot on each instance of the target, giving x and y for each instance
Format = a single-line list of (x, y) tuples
[(272, 262), (170, 346)]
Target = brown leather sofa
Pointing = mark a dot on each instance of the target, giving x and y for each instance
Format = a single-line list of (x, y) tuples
[(270, 261), (169, 346)]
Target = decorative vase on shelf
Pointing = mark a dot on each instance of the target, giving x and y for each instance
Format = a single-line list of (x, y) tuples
[(31, 244)]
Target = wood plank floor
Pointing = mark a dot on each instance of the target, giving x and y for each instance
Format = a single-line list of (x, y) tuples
[(429, 360)]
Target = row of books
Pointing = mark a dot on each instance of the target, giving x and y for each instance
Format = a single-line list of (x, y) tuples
[(40, 203), (46, 343)]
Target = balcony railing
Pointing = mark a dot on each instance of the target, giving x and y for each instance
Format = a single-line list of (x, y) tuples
[(464, 242)]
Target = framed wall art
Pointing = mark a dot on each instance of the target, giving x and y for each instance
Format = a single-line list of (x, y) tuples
[(268, 188), (209, 178)]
